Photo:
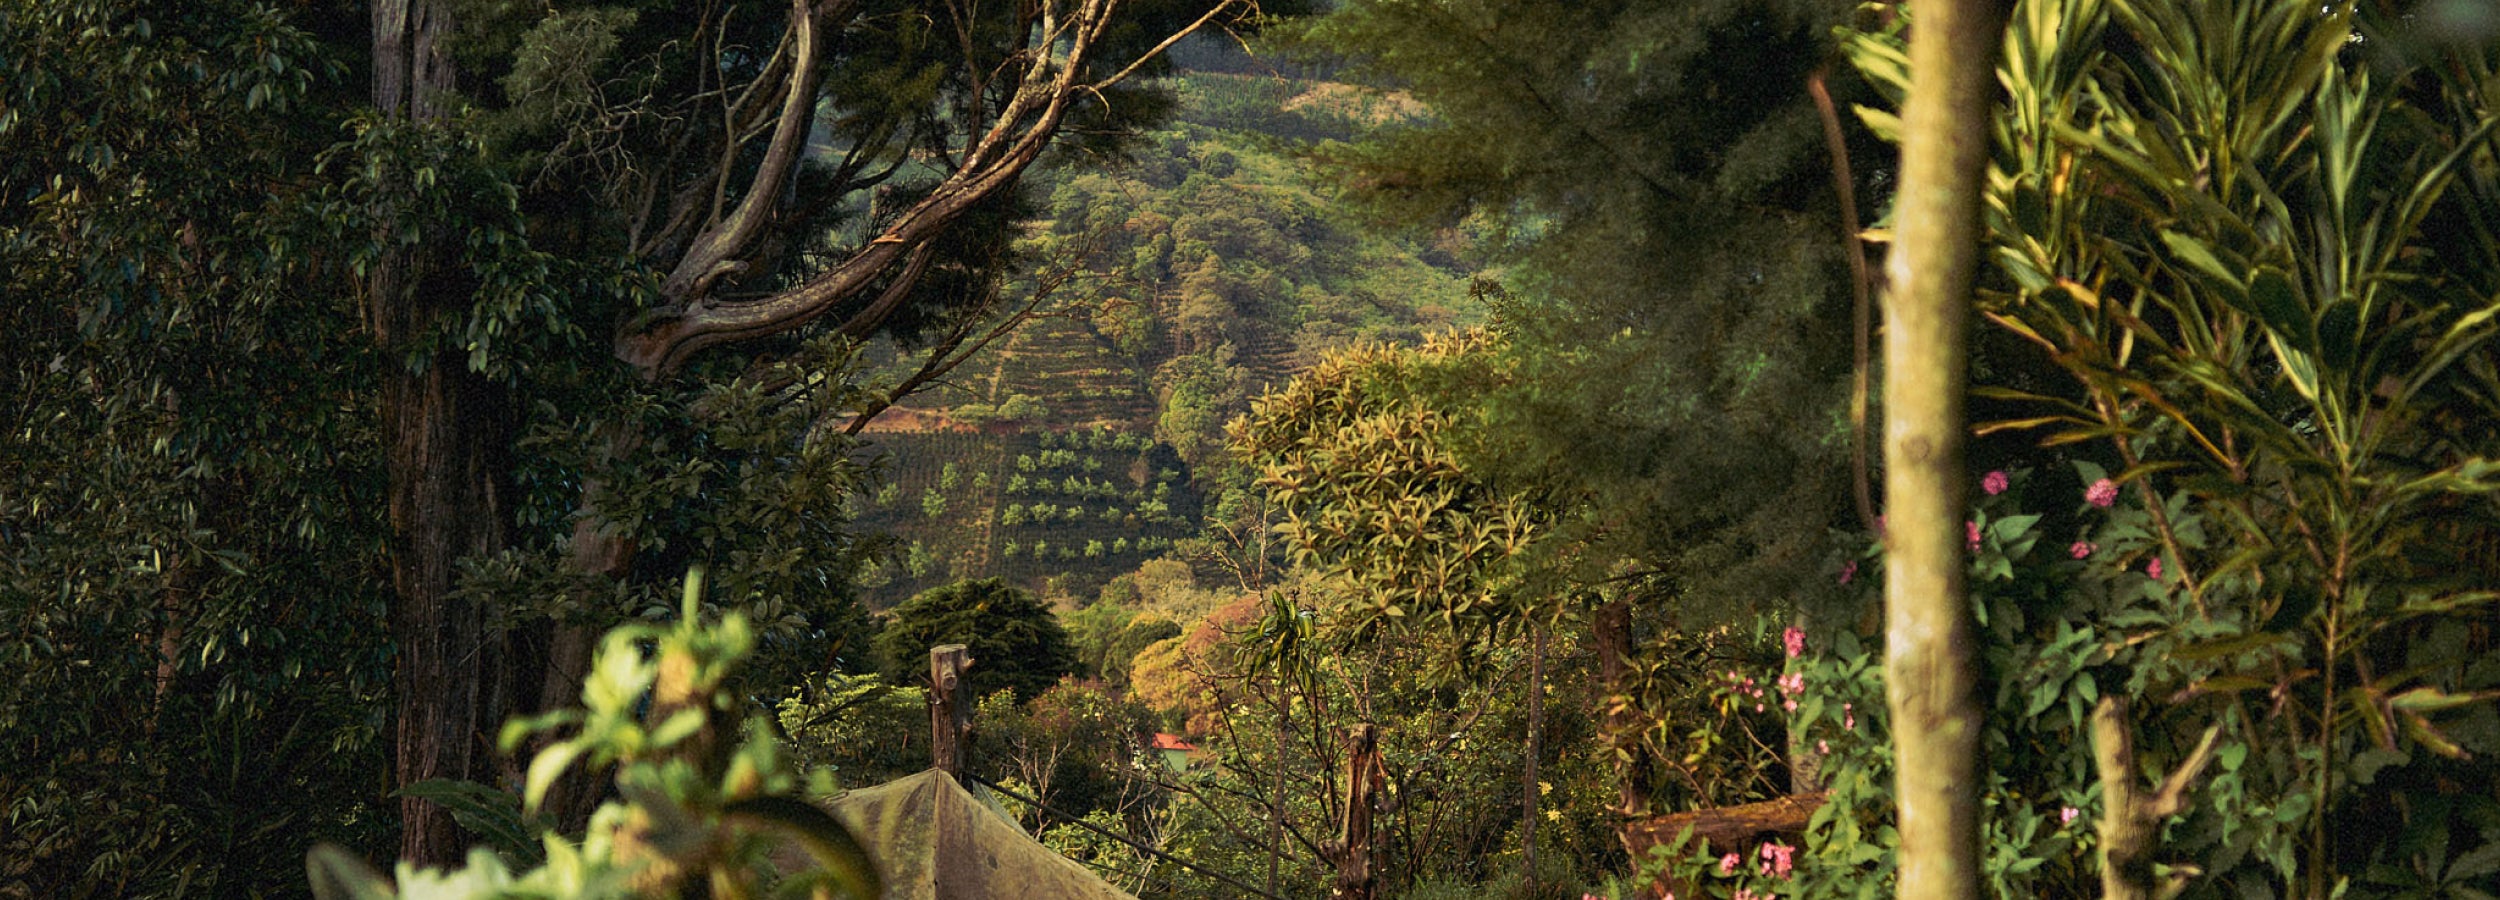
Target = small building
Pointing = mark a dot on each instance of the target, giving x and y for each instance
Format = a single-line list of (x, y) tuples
[(1175, 752)]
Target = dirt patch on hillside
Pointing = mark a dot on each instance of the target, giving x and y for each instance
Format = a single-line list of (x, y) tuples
[(1366, 105)]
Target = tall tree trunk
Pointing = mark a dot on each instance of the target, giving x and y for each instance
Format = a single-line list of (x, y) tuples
[(1930, 667), (443, 431)]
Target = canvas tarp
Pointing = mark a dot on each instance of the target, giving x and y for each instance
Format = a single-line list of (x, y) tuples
[(933, 840)]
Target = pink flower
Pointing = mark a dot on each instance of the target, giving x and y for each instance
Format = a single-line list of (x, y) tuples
[(1970, 533), (1778, 859), (1848, 717), (2153, 568), (1758, 707), (1728, 863), (1993, 483), (1793, 638), (1822, 746), (2102, 493), (1789, 704), (2066, 815), (1793, 683), (1848, 571), (2081, 549)]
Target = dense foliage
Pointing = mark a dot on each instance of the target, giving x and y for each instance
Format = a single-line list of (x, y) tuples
[(1678, 308), (195, 640), (1451, 558), (1016, 644)]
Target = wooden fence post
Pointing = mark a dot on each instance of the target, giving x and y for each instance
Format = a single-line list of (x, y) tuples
[(950, 714)]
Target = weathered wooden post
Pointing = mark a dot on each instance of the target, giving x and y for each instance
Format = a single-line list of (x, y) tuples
[(950, 714), (1353, 844)]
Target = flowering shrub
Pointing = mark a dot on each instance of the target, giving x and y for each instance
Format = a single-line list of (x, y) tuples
[(2056, 627), (2109, 616)]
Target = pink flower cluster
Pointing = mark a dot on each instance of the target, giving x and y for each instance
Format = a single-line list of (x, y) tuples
[(2082, 549), (1792, 684), (1777, 859), (1994, 483), (1793, 639), (1742, 685), (1970, 533), (2102, 493)]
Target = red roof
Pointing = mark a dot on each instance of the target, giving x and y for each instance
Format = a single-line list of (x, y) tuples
[(1171, 742)]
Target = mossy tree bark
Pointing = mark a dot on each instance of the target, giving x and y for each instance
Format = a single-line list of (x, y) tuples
[(443, 428), (1930, 665)]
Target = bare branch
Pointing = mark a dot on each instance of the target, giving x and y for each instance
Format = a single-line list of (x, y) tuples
[(713, 251), (1125, 71)]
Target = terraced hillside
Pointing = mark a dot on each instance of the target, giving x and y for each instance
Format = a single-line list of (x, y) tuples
[(1029, 505), (1088, 383), (1090, 440)]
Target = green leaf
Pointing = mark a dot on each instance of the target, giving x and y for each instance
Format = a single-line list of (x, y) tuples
[(339, 875), (843, 859), (2278, 305), (490, 813), (2420, 728), (2476, 863), (2231, 755), (2201, 257), (2234, 646), (680, 725), (2430, 699), (1885, 125), (2339, 330), (544, 769)]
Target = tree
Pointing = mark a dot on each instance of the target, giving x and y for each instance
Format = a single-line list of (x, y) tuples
[(188, 456), (1930, 663), (1016, 643), (589, 268), (611, 129), (1676, 300), (1361, 470)]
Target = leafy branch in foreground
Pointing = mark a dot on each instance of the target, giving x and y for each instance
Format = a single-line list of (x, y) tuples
[(696, 808)]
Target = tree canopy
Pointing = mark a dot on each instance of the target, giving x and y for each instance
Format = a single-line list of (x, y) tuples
[(1016, 643)]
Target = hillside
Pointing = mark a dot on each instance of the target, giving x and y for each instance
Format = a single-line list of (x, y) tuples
[(1203, 272)]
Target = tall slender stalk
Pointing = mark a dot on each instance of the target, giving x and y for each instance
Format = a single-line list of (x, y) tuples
[(1930, 667)]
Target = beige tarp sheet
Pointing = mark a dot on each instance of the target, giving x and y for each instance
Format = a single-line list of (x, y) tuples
[(934, 841)]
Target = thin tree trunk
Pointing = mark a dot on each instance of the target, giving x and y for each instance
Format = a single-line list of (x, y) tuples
[(1612, 632), (442, 430), (1535, 744), (1930, 667), (1276, 799)]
